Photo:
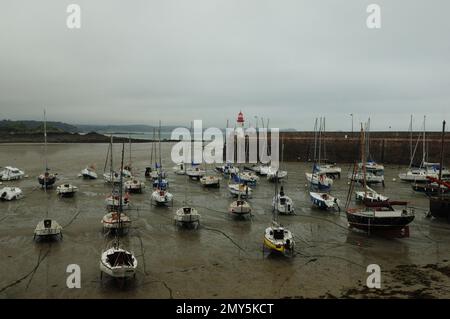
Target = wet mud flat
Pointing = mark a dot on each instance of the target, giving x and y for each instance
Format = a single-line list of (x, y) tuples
[(223, 258)]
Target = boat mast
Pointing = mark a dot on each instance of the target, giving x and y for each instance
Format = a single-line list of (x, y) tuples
[(120, 193), (442, 151), (324, 144), (45, 147), (160, 162), (320, 139), (410, 140), (363, 160), (315, 141), (424, 152)]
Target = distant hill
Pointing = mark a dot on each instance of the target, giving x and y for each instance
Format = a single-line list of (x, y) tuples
[(35, 127), (121, 128)]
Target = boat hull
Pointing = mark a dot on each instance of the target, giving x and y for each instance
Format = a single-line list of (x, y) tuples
[(440, 207)]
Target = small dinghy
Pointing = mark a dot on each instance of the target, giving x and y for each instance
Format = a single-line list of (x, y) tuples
[(279, 239), (324, 201), (10, 193), (210, 181), (134, 186), (283, 204), (48, 229), (118, 263), (240, 208), (66, 190), (89, 173), (186, 216), (9, 173)]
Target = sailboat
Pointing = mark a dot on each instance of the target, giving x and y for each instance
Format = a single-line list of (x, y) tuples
[(275, 173), (378, 215), (110, 177), (374, 172), (133, 185), (89, 172), (367, 195), (116, 261), (46, 180), (239, 188), (179, 168), (195, 171), (116, 219), (47, 228), (187, 215), (66, 190), (282, 203), (116, 198), (440, 203), (318, 180), (161, 195), (240, 207), (210, 180), (10, 193), (278, 238), (326, 167), (9, 173)]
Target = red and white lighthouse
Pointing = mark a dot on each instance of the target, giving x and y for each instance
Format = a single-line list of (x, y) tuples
[(240, 120)]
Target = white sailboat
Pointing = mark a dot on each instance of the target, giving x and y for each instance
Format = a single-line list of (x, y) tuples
[(47, 179), (278, 238), (116, 261), (187, 216), (9, 173), (116, 219), (89, 172), (133, 185), (282, 203), (10, 193), (161, 196), (66, 190)]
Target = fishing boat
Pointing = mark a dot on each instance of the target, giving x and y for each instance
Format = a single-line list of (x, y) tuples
[(9, 173), (324, 201), (10, 193), (46, 180), (66, 190), (378, 215), (116, 219), (89, 173)]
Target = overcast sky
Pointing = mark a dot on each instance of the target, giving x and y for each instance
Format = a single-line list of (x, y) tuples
[(137, 62)]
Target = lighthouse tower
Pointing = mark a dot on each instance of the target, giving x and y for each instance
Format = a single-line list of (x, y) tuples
[(240, 120)]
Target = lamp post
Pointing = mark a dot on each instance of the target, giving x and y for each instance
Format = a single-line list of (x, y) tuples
[(352, 122)]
